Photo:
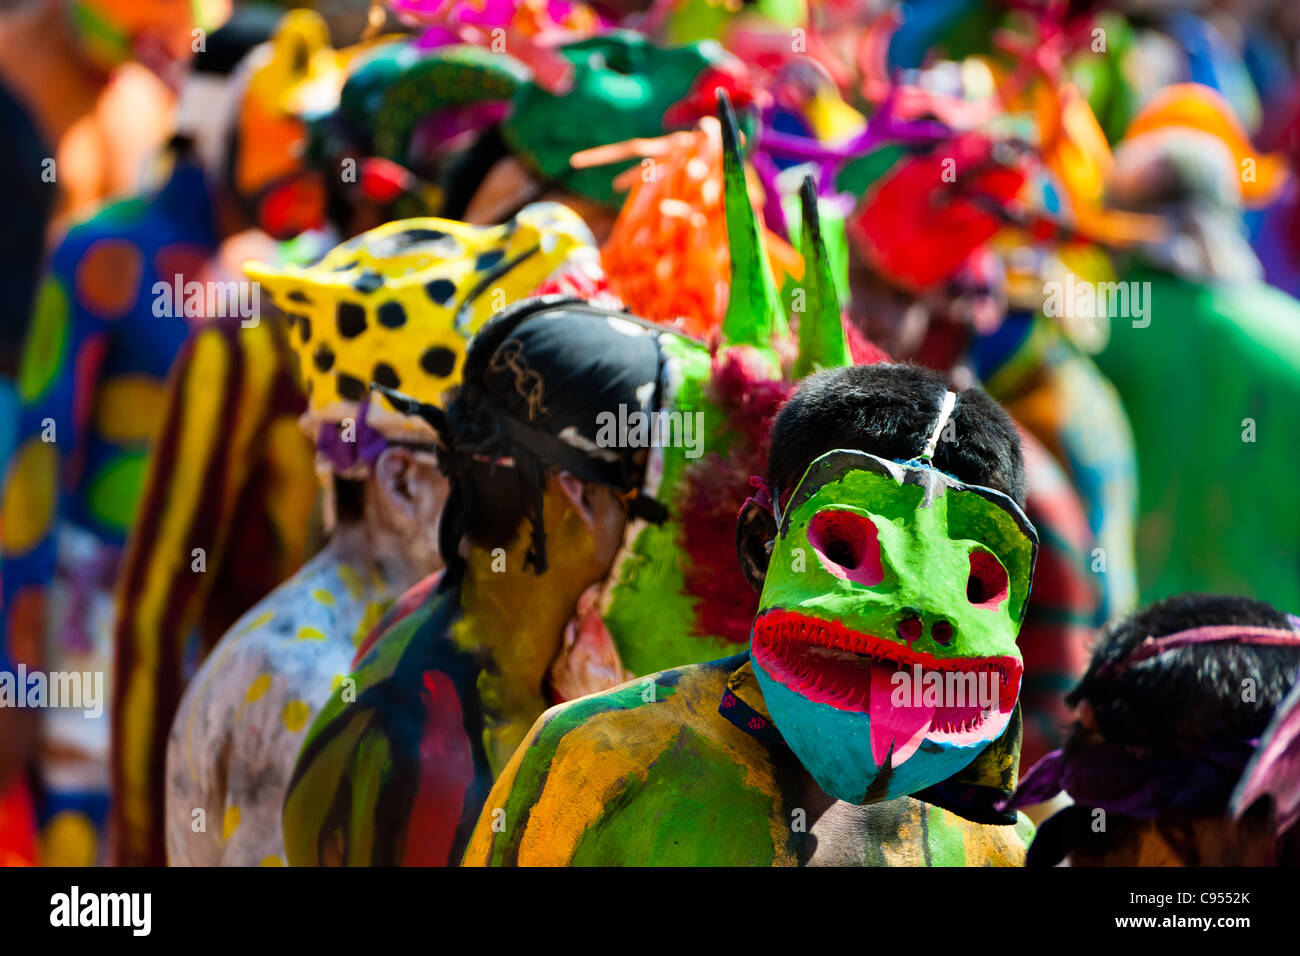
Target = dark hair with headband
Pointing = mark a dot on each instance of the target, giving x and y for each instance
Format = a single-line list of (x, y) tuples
[(890, 411), (1167, 726), (1189, 695)]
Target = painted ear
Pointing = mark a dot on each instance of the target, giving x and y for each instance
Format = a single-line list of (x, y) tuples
[(821, 328), (412, 484), (394, 472), (754, 315), (573, 489), (755, 533)]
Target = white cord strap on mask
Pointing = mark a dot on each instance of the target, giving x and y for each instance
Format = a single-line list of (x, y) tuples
[(945, 412)]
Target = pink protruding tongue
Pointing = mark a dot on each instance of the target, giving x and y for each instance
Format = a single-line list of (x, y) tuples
[(903, 728)]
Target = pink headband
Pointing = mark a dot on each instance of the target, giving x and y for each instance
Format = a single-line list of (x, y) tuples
[(1216, 634)]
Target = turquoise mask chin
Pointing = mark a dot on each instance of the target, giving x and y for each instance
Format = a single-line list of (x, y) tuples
[(885, 643)]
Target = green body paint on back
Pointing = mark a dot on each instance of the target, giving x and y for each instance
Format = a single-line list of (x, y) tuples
[(678, 816), (598, 784), (533, 774)]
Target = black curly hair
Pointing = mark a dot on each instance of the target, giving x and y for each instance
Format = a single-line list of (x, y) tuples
[(1192, 695), (889, 411)]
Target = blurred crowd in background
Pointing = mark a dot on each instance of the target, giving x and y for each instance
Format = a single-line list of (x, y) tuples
[(1090, 210)]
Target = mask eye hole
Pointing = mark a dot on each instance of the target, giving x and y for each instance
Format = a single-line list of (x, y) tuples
[(987, 585), (847, 546), (615, 61)]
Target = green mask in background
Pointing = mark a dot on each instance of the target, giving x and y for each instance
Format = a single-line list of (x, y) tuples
[(885, 643), (623, 84)]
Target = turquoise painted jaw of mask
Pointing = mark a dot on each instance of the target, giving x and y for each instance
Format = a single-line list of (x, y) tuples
[(885, 643)]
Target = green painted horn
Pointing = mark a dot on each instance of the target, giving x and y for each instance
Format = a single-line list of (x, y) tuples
[(754, 315), (821, 330)]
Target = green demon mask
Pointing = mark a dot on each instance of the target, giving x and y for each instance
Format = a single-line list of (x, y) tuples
[(623, 87), (885, 643)]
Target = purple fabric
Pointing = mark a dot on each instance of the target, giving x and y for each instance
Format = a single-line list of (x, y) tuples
[(773, 215), (1041, 783), (484, 13), (344, 455), (1135, 782), (883, 127), (435, 37)]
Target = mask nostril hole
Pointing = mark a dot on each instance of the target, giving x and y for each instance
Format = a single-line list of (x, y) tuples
[(941, 631), (909, 629)]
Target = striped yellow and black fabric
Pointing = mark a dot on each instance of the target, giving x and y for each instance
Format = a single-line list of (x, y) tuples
[(224, 519)]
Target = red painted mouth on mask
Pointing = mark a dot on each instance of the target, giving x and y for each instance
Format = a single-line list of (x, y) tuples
[(828, 663)]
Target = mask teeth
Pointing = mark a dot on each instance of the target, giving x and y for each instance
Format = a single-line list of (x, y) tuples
[(818, 638)]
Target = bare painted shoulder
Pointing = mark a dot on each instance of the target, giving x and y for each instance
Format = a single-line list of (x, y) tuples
[(687, 695)]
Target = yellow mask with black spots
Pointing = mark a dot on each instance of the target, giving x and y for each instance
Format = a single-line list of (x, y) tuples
[(397, 305)]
